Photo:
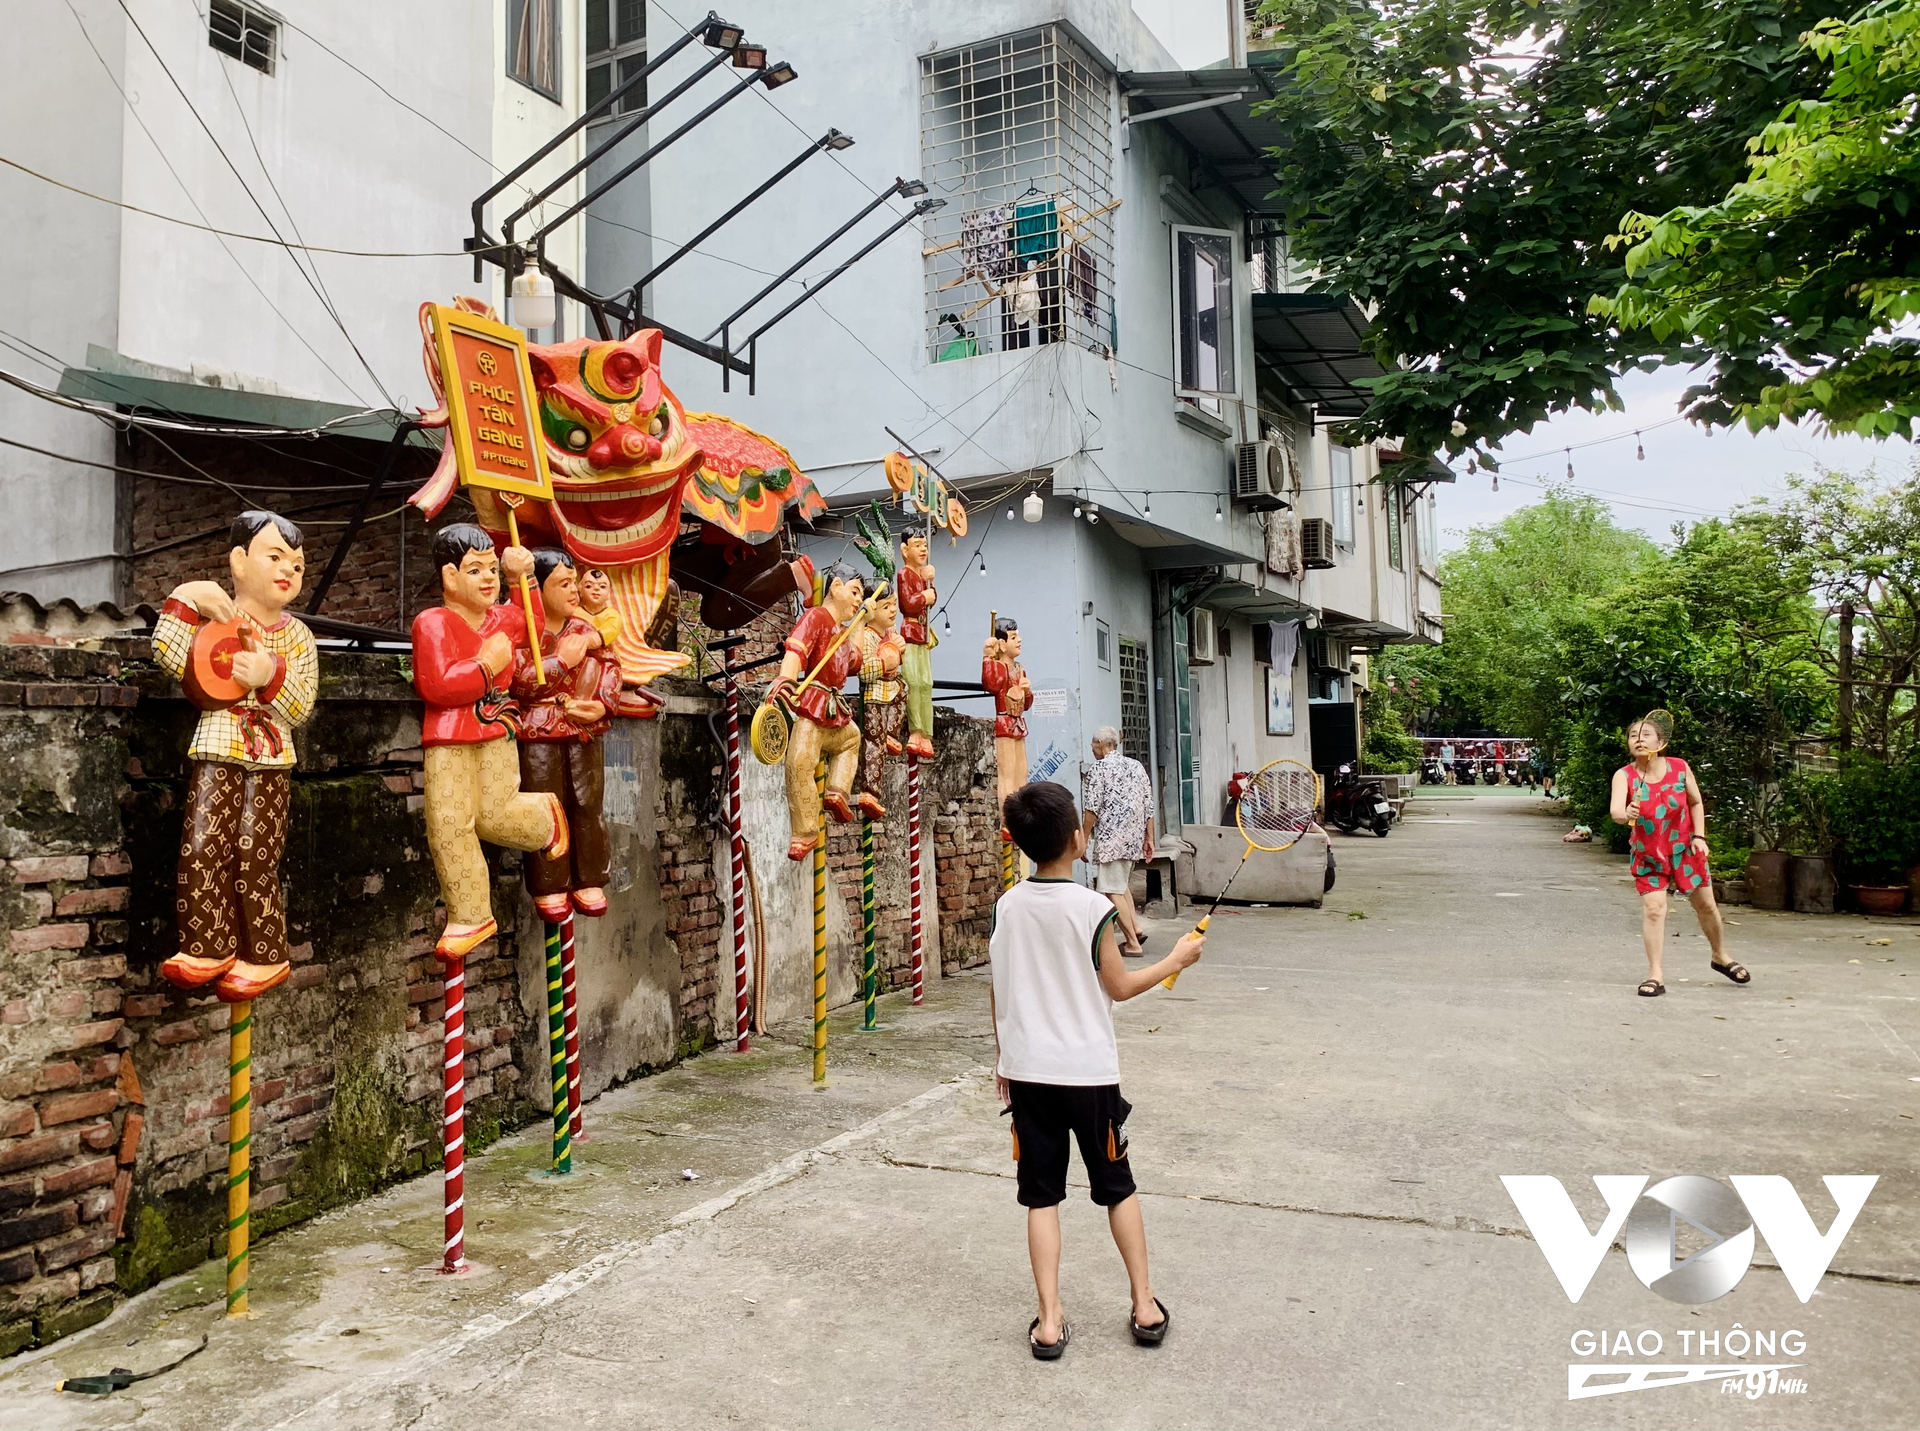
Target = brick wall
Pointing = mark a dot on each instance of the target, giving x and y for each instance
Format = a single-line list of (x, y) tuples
[(113, 1084), (179, 531)]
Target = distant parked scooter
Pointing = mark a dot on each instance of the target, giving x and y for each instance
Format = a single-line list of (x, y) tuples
[(1463, 771), (1490, 771), (1432, 772), (1352, 802)]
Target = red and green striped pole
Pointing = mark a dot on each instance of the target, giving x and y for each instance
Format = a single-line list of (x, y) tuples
[(869, 964), (913, 872), (573, 1022), (557, 1054), (239, 1152)]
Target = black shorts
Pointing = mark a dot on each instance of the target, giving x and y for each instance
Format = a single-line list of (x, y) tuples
[(1044, 1114)]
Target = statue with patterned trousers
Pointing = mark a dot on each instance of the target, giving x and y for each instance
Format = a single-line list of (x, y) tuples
[(232, 919), (881, 703), (823, 725)]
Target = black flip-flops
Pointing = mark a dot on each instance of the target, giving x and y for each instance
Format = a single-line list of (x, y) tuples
[(1048, 1351), (1651, 988), (1736, 972), (1157, 1333)]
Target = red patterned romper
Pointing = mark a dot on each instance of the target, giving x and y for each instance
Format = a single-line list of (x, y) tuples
[(1662, 840)]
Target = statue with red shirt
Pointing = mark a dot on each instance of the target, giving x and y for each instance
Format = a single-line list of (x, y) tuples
[(823, 724), (1002, 673), (561, 722), (462, 657), (914, 586)]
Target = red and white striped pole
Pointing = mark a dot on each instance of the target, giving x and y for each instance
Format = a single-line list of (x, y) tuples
[(738, 846), (913, 872), (572, 1017), (454, 1110)]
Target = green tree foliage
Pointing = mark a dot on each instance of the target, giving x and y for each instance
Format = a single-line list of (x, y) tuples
[(1460, 164), (1797, 278), (1517, 595)]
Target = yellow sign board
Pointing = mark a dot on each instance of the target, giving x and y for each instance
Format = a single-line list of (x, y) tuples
[(492, 404)]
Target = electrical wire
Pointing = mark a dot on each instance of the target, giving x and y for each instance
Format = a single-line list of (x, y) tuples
[(60, 399), (254, 283), (311, 281), (235, 487)]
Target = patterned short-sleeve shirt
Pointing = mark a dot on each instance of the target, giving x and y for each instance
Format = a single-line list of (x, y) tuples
[(1119, 794)]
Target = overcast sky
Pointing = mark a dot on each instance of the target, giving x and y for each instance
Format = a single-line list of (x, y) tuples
[(1688, 472)]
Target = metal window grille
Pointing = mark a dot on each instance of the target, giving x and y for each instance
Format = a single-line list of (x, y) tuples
[(244, 33), (1017, 135), (1133, 701), (533, 44), (616, 51), (1340, 459), (1396, 514)]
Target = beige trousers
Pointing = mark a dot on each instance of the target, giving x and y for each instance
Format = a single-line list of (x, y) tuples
[(473, 794), (1011, 757), (807, 745)]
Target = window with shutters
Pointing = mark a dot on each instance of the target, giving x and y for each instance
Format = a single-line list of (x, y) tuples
[(1395, 496), (1340, 460), (616, 52), (533, 45), (1134, 736)]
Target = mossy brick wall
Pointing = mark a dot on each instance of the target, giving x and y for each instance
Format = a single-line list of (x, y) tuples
[(113, 1084)]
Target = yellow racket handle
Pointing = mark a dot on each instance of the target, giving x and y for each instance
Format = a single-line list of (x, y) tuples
[(1174, 977), (526, 602)]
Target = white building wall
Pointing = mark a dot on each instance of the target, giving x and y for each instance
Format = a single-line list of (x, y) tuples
[(324, 155)]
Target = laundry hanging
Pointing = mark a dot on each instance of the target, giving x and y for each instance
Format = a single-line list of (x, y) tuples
[(1036, 230)]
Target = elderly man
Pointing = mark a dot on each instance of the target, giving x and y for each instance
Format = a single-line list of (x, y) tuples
[(1119, 820)]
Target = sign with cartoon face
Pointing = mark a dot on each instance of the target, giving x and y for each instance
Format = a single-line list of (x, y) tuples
[(492, 406)]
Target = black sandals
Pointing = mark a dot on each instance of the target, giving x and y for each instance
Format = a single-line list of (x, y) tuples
[(1157, 1333), (1048, 1351), (1736, 972), (1652, 988)]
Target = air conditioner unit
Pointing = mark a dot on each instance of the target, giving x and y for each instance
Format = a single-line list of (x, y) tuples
[(1259, 476), (1201, 640), (1316, 543)]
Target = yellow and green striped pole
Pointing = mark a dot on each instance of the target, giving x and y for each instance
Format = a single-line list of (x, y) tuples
[(820, 931), (1006, 865), (239, 1152), (557, 1053), (869, 964)]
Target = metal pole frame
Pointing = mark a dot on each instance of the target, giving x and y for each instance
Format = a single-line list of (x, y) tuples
[(913, 878), (401, 432), (454, 1116), (736, 859), (820, 932)]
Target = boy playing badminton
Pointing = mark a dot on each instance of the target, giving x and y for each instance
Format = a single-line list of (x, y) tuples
[(1057, 973)]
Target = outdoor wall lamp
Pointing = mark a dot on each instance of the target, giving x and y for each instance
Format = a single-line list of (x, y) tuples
[(911, 188), (533, 300), (782, 73), (719, 34), (837, 141), (750, 57)]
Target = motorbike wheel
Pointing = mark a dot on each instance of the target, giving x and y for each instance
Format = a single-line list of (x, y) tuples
[(1380, 827), (1346, 826)]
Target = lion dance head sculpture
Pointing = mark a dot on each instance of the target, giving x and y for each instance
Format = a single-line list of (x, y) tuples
[(628, 462)]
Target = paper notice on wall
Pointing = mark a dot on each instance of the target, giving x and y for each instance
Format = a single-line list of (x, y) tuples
[(1050, 701)]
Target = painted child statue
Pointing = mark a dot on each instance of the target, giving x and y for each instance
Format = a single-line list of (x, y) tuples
[(560, 752), (881, 650), (232, 918), (914, 586), (823, 725), (1002, 673), (462, 655), (596, 605)]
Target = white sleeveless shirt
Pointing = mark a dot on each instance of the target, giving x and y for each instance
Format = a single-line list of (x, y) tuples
[(1054, 1019)]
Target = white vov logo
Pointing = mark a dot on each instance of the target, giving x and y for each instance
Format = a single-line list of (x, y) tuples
[(1728, 1217)]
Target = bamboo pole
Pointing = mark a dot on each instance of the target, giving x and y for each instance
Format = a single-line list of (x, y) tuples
[(913, 874), (454, 1117), (820, 932), (557, 1053), (239, 1153)]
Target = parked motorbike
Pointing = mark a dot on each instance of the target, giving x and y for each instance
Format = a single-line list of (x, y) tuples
[(1432, 772), (1352, 802), (1490, 772), (1513, 772), (1463, 771)]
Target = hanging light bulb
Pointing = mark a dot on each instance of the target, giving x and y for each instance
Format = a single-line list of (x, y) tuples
[(983, 563), (1033, 509), (533, 302), (1496, 481), (1076, 511), (1569, 452), (1009, 514), (1218, 515), (1147, 511), (1639, 448), (946, 627), (1472, 466)]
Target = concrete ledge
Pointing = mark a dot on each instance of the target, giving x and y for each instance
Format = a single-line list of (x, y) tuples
[(1293, 876)]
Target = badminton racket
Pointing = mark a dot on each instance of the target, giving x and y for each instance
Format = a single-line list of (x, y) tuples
[(1275, 809)]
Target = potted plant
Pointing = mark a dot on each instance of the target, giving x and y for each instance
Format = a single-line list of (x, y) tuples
[(1872, 821), (1807, 799), (1766, 867)]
